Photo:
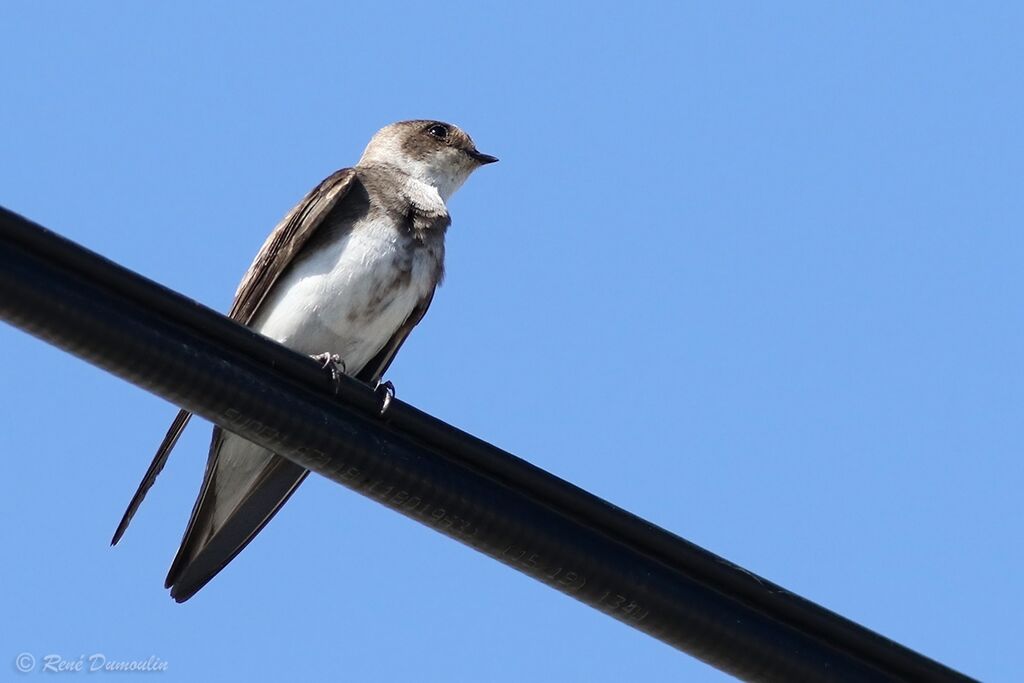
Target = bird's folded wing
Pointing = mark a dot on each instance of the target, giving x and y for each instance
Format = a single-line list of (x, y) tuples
[(171, 438), (244, 487), (274, 256)]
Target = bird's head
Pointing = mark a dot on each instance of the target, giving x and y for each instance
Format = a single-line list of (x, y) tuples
[(440, 154)]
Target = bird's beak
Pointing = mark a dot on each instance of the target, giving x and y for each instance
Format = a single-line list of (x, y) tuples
[(482, 158)]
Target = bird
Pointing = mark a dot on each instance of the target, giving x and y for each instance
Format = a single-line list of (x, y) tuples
[(344, 277)]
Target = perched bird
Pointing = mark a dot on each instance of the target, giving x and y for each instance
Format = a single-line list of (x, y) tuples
[(345, 276)]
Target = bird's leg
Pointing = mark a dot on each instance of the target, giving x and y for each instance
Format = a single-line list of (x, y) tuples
[(386, 392), (333, 365)]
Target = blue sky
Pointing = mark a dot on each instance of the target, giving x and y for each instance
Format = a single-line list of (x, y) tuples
[(751, 273)]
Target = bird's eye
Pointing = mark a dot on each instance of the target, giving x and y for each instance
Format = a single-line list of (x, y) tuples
[(438, 131)]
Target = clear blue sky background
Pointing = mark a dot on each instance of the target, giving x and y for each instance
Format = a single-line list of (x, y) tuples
[(753, 274)]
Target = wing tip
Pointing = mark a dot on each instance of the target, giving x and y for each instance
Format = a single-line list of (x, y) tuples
[(196, 564), (181, 591), (119, 531), (133, 507), (152, 472)]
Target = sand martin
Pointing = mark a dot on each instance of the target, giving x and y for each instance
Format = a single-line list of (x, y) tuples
[(345, 275)]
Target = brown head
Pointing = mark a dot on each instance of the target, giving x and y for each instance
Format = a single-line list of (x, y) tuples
[(440, 154)]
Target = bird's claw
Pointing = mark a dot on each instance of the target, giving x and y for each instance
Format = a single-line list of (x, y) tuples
[(333, 365), (386, 392)]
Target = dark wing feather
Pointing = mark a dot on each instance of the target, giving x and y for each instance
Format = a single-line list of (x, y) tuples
[(290, 235), (155, 467), (277, 252)]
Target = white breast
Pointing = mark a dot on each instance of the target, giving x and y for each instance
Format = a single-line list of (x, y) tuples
[(350, 297)]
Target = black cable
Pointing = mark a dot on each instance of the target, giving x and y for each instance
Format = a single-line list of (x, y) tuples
[(464, 487)]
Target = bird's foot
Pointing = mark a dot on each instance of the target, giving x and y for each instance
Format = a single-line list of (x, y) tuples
[(386, 392), (333, 365)]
